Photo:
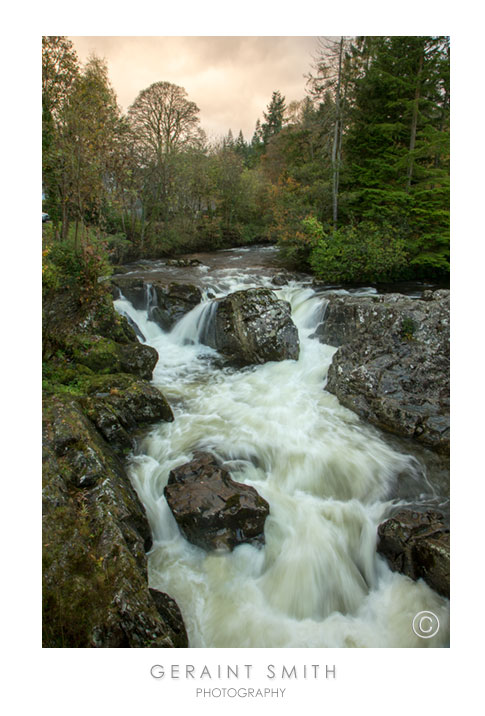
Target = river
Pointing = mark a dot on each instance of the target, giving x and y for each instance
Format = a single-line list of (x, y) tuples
[(328, 477)]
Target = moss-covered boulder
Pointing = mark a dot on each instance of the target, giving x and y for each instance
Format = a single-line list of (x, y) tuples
[(103, 355)]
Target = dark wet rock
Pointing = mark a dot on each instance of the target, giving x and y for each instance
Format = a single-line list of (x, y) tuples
[(280, 279), (211, 510), (171, 302), (118, 404), (252, 326), (95, 535), (135, 327), (166, 303), (171, 615), (392, 366), (133, 289), (417, 544)]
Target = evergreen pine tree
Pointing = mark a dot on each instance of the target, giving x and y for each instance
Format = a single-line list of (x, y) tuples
[(397, 147), (274, 117)]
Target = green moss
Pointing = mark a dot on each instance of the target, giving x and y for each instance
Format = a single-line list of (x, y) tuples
[(97, 353), (408, 329), (76, 600)]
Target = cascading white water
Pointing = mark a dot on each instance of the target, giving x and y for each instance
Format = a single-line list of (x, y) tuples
[(318, 581)]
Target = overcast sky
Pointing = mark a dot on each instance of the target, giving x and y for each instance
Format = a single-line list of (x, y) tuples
[(231, 79)]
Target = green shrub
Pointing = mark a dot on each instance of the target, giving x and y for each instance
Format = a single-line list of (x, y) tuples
[(361, 253), (70, 264)]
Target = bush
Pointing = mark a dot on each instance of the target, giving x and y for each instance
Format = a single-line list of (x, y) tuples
[(67, 265), (362, 253)]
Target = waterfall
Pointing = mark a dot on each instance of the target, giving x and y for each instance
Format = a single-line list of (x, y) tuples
[(196, 325), (327, 476)]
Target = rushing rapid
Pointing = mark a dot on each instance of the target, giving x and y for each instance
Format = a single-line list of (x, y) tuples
[(327, 476)]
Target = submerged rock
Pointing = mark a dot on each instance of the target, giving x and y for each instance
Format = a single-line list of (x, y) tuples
[(392, 366), (417, 544), (211, 510), (252, 326)]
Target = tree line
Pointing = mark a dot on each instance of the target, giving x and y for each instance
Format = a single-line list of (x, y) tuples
[(352, 182)]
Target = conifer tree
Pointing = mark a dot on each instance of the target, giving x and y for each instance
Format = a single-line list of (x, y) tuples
[(274, 117), (397, 144)]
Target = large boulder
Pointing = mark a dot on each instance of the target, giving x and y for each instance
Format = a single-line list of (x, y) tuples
[(417, 544), (392, 366), (211, 510), (252, 326)]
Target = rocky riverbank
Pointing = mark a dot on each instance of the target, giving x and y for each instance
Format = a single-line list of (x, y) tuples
[(95, 532), (392, 369), (392, 365)]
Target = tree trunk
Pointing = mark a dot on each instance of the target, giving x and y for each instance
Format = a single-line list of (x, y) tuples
[(414, 123), (337, 140)]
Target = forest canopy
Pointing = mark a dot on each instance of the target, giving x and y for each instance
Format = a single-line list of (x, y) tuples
[(351, 182)]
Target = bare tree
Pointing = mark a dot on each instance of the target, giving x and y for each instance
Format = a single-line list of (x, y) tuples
[(331, 63)]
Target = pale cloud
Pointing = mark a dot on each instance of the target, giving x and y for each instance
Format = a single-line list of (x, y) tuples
[(231, 79)]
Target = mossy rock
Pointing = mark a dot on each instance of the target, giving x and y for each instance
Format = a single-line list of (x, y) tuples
[(102, 355), (95, 534)]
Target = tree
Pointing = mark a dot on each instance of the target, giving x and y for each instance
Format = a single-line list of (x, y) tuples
[(163, 122), (274, 117), (163, 119), (397, 145), (332, 65), (90, 124), (60, 69)]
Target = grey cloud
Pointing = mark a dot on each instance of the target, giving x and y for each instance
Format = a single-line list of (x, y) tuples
[(231, 79)]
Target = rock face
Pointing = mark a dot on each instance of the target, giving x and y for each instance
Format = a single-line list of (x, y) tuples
[(211, 510), (417, 544), (95, 531), (95, 534), (166, 303), (392, 367), (252, 326)]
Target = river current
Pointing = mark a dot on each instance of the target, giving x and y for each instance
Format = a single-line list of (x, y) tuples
[(328, 477)]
